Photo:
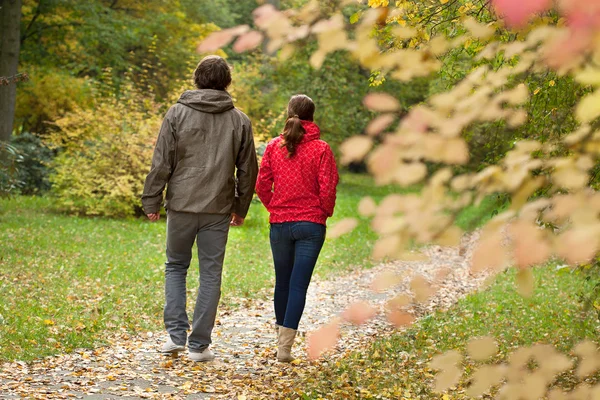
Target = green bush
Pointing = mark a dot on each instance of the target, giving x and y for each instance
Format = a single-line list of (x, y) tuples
[(33, 172), (9, 169), (104, 154)]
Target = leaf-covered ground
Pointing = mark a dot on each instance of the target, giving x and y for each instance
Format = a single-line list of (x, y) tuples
[(244, 342), (397, 366), (68, 282)]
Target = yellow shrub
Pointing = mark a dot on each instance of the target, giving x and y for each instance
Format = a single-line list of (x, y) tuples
[(47, 96), (105, 153)]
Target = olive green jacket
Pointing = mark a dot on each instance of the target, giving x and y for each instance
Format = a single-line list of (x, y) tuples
[(205, 157)]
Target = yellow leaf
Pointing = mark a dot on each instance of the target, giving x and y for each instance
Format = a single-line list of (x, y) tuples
[(367, 207), (480, 349), (525, 282), (297, 361), (48, 322), (341, 228), (381, 102), (421, 288), (410, 173), (355, 148), (589, 76), (478, 30), (588, 109)]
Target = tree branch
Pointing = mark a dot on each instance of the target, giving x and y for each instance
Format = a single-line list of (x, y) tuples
[(38, 12), (43, 28)]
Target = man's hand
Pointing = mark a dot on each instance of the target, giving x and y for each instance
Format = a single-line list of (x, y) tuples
[(153, 217), (236, 220)]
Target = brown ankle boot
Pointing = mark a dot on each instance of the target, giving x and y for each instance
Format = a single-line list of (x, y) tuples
[(284, 344)]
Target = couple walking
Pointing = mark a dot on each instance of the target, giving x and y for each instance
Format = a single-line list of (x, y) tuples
[(205, 156)]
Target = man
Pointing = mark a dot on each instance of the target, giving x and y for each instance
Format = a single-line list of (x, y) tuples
[(204, 144)]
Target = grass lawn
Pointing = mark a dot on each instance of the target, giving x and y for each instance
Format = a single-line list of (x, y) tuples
[(68, 282), (396, 367)]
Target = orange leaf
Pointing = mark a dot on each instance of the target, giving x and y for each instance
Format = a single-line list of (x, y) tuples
[(530, 248), (360, 312), (399, 318)]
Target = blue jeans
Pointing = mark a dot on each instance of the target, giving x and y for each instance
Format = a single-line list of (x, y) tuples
[(296, 247)]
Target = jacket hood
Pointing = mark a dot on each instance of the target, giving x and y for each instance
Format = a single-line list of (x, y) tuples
[(207, 100), (313, 132)]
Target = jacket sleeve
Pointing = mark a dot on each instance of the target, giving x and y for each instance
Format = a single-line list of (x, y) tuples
[(264, 184), (163, 162), (247, 170), (328, 180)]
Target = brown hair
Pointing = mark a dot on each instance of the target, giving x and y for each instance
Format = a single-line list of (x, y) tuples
[(300, 107), (212, 72)]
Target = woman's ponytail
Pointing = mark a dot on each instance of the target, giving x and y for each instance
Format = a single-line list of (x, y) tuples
[(300, 108), (293, 132)]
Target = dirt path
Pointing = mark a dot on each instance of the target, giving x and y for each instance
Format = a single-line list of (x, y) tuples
[(244, 343)]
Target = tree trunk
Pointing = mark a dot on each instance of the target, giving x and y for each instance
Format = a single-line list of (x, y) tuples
[(10, 44)]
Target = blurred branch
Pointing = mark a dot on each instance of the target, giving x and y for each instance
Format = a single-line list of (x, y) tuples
[(7, 80)]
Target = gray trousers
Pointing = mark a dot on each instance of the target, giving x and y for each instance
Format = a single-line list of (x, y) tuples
[(210, 231)]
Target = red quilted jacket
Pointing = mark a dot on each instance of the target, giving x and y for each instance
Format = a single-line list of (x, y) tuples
[(300, 188)]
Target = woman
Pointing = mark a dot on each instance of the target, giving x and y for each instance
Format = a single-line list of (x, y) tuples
[(297, 184)]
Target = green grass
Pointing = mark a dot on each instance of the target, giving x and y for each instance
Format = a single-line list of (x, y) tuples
[(69, 282), (473, 217), (396, 367)]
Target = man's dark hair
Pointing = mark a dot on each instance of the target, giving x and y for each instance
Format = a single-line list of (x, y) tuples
[(212, 73)]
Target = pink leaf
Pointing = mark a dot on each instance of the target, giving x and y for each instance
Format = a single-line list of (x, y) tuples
[(377, 125), (517, 13), (248, 41), (218, 39), (323, 339)]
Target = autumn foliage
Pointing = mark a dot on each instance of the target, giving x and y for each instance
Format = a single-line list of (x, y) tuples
[(103, 155), (553, 211)]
